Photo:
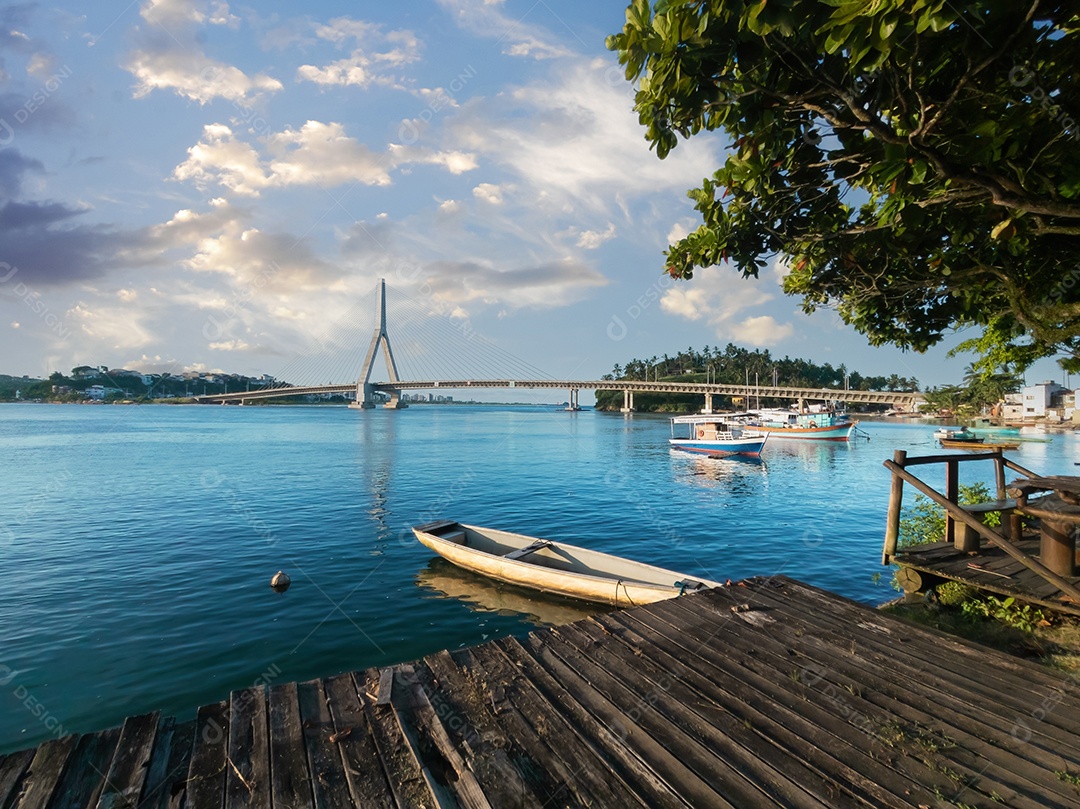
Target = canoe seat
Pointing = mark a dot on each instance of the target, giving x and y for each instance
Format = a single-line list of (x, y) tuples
[(540, 544), (689, 586)]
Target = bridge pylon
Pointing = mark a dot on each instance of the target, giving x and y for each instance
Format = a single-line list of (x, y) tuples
[(365, 391)]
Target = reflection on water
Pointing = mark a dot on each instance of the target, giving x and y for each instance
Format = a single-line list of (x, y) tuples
[(710, 472), (811, 456), (481, 594)]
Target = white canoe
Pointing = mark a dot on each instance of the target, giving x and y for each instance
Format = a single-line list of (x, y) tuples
[(555, 567)]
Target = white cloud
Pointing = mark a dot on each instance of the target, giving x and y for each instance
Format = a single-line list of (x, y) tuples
[(193, 75), (516, 36), (763, 331), (489, 193), (220, 158), (541, 286), (170, 56), (717, 298), (366, 64), (16, 324), (680, 230), (229, 345), (316, 154), (116, 328), (591, 239), (575, 141), (41, 65)]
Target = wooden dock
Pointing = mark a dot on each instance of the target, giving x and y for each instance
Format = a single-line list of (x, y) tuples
[(1005, 559), (765, 693), (990, 569)]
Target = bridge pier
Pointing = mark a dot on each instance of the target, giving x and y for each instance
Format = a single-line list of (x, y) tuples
[(395, 402), (573, 405), (627, 401), (707, 410), (365, 397)]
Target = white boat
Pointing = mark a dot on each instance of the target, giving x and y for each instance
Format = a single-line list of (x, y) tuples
[(555, 567), (815, 424), (715, 436)]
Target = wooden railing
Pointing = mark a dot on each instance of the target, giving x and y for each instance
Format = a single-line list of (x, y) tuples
[(955, 513)]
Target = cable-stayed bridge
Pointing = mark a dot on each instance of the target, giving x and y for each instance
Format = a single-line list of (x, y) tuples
[(444, 354)]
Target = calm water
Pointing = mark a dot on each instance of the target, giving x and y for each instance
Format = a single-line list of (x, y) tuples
[(140, 540)]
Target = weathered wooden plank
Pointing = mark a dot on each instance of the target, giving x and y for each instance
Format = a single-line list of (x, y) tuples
[(655, 708), (166, 779), (478, 738), (762, 705), (926, 713), (552, 753), (12, 769), (328, 783), (744, 664), (630, 733), (43, 775), (206, 772), (911, 740), (365, 776), (290, 781), (247, 779), (930, 657), (84, 776), (399, 760), (854, 632), (734, 742), (979, 743), (127, 773), (433, 744)]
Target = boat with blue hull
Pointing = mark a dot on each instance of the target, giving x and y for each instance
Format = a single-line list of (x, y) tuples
[(715, 437)]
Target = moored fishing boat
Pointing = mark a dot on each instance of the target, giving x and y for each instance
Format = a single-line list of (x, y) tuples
[(980, 444), (715, 436), (813, 425), (986, 426), (957, 436), (555, 567)]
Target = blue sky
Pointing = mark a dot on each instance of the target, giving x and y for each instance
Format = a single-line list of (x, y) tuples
[(194, 184)]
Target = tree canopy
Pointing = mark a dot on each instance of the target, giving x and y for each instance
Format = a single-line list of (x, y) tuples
[(916, 163)]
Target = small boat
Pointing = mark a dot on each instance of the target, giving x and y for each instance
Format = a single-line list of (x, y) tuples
[(716, 437), (821, 424), (963, 435), (987, 426), (979, 444), (555, 567)]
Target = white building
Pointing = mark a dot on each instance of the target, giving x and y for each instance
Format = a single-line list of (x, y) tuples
[(99, 392), (1012, 409), (1039, 398)]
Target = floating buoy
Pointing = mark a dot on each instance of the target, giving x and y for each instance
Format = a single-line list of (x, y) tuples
[(281, 581)]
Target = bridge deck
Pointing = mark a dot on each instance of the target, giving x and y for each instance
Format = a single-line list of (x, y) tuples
[(909, 398), (770, 693)]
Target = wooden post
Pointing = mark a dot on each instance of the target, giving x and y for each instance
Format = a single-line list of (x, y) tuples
[(892, 522), (952, 494), (1056, 547), (999, 476)]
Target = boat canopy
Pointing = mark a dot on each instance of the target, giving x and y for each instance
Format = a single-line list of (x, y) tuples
[(707, 419)]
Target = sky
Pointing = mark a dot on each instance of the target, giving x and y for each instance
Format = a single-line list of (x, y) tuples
[(202, 185)]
